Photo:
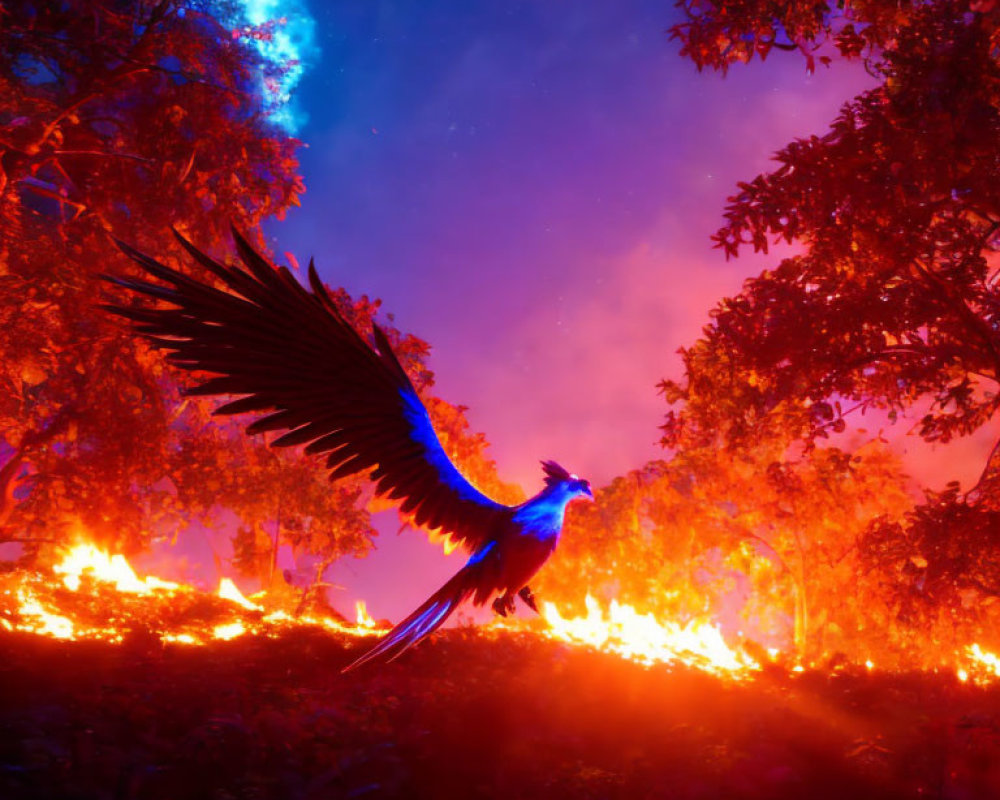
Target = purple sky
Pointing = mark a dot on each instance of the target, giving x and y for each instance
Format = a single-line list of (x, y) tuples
[(531, 188)]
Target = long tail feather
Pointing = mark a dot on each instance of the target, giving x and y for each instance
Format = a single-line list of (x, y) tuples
[(422, 622)]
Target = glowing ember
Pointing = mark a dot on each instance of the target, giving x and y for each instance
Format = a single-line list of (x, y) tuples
[(983, 666), (643, 638), (39, 620), (229, 631)]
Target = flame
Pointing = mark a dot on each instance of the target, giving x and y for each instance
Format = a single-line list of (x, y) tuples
[(361, 616), (981, 666), (643, 638), (229, 630), (41, 621), (85, 558), (228, 591), (100, 596), (97, 595)]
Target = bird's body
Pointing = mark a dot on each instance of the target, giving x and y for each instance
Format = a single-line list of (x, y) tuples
[(290, 353)]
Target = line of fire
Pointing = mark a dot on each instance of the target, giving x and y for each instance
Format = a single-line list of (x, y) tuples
[(734, 528)]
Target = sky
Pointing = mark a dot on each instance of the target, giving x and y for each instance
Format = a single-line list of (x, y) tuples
[(530, 188)]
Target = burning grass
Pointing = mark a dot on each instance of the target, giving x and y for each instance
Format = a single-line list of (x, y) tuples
[(464, 715), (90, 594), (118, 685)]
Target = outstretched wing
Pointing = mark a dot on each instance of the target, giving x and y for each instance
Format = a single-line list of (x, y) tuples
[(292, 354)]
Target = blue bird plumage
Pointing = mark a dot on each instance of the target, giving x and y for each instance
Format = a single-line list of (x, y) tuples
[(289, 353)]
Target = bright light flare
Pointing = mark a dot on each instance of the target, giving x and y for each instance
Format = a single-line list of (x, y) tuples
[(284, 34)]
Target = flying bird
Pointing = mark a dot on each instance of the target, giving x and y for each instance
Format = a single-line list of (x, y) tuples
[(291, 357)]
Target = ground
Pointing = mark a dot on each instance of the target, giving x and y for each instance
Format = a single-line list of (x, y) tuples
[(466, 715)]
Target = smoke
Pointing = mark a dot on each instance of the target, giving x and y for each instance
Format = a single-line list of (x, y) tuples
[(284, 33)]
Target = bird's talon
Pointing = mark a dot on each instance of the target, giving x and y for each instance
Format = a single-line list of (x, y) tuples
[(529, 599)]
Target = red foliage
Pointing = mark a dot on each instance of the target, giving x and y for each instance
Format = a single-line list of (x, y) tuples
[(129, 119), (894, 304)]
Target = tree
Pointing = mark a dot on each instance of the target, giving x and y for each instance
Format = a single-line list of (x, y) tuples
[(124, 118), (776, 536), (893, 305), (129, 119)]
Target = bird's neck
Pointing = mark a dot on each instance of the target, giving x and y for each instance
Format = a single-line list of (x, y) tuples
[(543, 514)]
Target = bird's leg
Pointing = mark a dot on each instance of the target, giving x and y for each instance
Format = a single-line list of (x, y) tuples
[(504, 604), (529, 598)]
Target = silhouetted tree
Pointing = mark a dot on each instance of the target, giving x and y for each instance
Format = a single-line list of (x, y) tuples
[(123, 118), (893, 303), (129, 118), (711, 531)]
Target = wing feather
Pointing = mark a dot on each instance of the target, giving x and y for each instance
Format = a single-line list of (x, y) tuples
[(288, 354)]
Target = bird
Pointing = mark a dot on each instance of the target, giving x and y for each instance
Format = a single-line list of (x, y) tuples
[(289, 356)]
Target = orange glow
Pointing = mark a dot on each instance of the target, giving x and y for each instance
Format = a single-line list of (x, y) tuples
[(228, 591), (87, 559), (91, 594), (641, 637), (361, 616), (41, 621), (99, 596), (229, 630), (980, 666)]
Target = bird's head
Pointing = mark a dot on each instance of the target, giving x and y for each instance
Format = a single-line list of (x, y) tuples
[(573, 485)]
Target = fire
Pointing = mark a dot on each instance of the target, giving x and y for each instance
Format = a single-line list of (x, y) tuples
[(40, 621), (97, 595), (228, 591), (229, 630), (85, 558), (621, 629), (100, 596), (643, 638), (361, 616), (981, 667)]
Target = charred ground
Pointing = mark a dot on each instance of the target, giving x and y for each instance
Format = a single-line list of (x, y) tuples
[(470, 716)]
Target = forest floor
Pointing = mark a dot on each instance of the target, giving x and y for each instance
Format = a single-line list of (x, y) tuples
[(466, 716)]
